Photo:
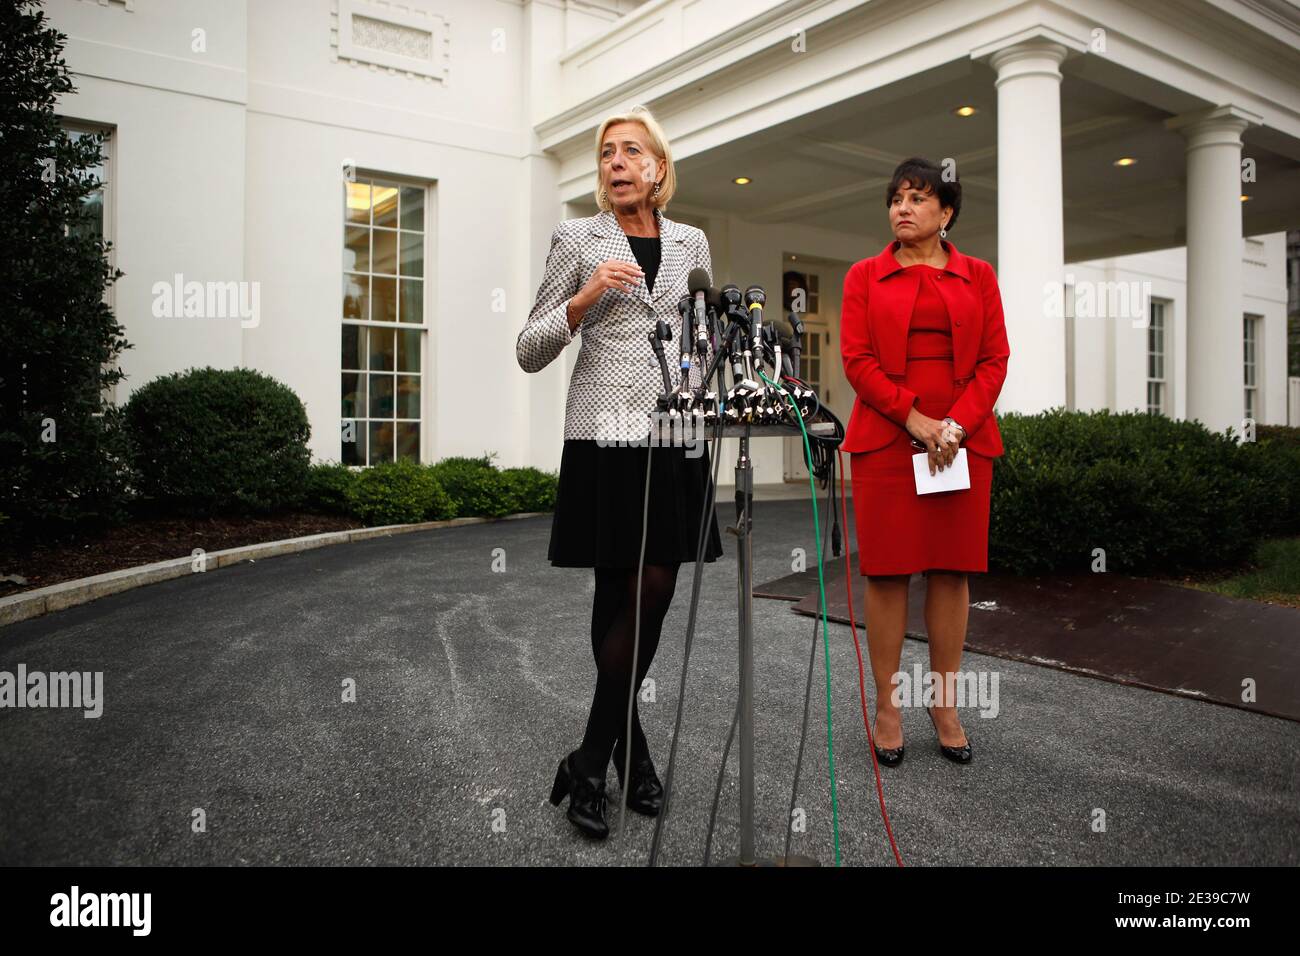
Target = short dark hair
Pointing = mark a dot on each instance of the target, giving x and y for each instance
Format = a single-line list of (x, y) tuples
[(918, 172)]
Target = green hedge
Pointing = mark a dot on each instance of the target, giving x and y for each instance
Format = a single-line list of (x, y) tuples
[(466, 487), (1155, 493), (398, 492), (528, 489), (228, 440), (328, 485), (475, 486)]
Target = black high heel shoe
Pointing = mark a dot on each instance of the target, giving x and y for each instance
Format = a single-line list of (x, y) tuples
[(587, 800), (889, 756), (960, 754), (646, 794)]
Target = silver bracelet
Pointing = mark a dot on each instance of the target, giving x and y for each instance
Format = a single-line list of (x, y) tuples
[(957, 425)]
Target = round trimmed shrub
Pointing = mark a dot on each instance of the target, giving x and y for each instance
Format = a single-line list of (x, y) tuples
[(398, 492), (209, 440)]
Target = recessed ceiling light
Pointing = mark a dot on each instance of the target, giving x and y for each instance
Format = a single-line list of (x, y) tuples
[(742, 180), (1124, 161), (965, 111)]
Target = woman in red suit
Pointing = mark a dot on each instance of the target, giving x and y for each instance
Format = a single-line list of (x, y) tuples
[(925, 347)]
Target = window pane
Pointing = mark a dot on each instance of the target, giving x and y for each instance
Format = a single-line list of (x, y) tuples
[(412, 254), (381, 349), (412, 301), (381, 396), (94, 225), (383, 302), (356, 249), (385, 204), (358, 203), (412, 207), (385, 253), (353, 452), (356, 297), (408, 440), (408, 351), (354, 394), (408, 396), (381, 442), (354, 346)]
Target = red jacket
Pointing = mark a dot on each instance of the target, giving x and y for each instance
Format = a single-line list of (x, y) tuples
[(878, 300)]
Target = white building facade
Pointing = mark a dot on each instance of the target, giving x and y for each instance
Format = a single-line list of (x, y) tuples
[(384, 178)]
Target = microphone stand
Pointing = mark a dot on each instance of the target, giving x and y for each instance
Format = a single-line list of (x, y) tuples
[(743, 532)]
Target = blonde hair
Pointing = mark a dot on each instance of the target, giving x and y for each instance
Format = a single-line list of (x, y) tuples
[(658, 145)]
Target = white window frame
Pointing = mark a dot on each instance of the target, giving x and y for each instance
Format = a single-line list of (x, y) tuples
[(425, 326), (1252, 366), (1161, 308)]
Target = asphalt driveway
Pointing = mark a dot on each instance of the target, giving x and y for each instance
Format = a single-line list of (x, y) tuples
[(223, 700)]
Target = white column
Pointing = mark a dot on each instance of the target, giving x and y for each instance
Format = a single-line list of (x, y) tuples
[(1031, 230), (1214, 278)]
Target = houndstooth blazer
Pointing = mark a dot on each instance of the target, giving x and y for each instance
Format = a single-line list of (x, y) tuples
[(616, 378)]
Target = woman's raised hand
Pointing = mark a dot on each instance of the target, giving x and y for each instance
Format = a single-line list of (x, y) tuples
[(610, 274)]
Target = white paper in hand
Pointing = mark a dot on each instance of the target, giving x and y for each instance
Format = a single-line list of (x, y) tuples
[(955, 477)]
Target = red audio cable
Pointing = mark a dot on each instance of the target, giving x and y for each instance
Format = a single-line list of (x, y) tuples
[(862, 687)]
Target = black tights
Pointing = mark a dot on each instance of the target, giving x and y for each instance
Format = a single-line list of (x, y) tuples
[(613, 620)]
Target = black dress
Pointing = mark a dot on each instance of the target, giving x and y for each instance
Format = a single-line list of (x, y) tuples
[(601, 495)]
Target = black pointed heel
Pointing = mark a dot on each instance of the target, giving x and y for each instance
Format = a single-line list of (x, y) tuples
[(587, 799), (560, 788), (960, 754)]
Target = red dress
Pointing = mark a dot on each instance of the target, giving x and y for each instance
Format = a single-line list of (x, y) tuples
[(899, 531)]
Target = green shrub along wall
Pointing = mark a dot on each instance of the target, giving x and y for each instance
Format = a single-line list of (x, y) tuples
[(219, 440), (398, 492), (1157, 495), (403, 492)]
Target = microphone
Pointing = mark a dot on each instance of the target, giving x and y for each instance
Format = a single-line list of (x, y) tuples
[(796, 341), (755, 298), (684, 307), (661, 334), (730, 299), (698, 283)]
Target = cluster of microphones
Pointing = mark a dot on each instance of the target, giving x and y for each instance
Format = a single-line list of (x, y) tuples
[(764, 360)]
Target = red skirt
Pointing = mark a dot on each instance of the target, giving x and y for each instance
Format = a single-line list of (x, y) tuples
[(901, 532)]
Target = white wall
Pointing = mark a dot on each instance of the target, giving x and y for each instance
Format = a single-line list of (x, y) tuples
[(228, 165), (466, 138), (1111, 354), (176, 171)]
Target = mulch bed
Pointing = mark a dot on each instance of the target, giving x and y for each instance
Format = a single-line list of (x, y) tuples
[(149, 538)]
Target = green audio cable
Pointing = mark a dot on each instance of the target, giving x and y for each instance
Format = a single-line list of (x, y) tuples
[(821, 584)]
